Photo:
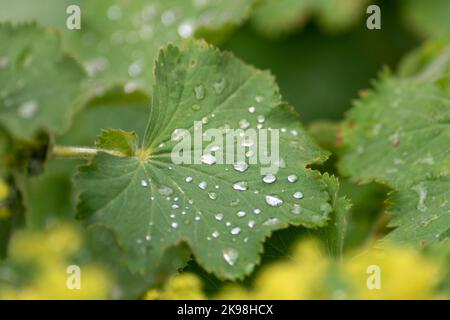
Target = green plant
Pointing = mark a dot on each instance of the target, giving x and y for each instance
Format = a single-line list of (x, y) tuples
[(89, 119)]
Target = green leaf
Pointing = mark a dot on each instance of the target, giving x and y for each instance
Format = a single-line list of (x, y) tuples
[(152, 203), (40, 85), (398, 135), (118, 140), (275, 17)]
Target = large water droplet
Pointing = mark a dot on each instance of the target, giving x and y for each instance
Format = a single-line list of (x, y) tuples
[(240, 186), (203, 185), (292, 178), (179, 134), (208, 159), (199, 92), (298, 195), (241, 166), (270, 178), (188, 179), (273, 200), (219, 217), (144, 183), (230, 255), (241, 213), (235, 231)]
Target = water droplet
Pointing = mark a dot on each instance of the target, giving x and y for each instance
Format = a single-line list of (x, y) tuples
[(188, 179), (230, 255), (271, 222), (235, 231), (203, 185), (219, 217), (174, 225), (179, 134), (208, 159), (273, 200), (4, 62), (212, 195), (219, 86), (167, 18), (241, 166), (165, 191), (252, 109), (185, 30), (148, 237), (130, 87), (240, 186), (215, 234), (195, 107), (422, 192), (144, 183), (256, 211), (114, 12), (251, 223), (294, 132), (199, 92), (241, 213), (261, 118), (270, 178), (292, 178), (298, 195), (259, 99), (297, 209), (28, 109), (244, 124)]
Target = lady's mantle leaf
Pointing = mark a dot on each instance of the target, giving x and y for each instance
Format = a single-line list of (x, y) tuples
[(40, 86), (223, 211), (399, 134)]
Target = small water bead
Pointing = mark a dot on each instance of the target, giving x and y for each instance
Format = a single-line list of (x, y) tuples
[(240, 166), (297, 209), (203, 185), (271, 222), (219, 217), (261, 118), (259, 99), (240, 186), (241, 213), (273, 201), (172, 216), (148, 237), (114, 12), (256, 211), (219, 86), (252, 109), (294, 132), (188, 179), (298, 195), (208, 159), (165, 191), (249, 154), (230, 255), (215, 234), (185, 30), (144, 183), (199, 92), (195, 107), (244, 124), (130, 87), (174, 225), (28, 109), (235, 231), (228, 223), (292, 178), (175, 206), (251, 223), (270, 178), (212, 195), (167, 18)]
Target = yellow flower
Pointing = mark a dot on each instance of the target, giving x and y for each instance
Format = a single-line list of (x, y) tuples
[(4, 190), (179, 287), (403, 274)]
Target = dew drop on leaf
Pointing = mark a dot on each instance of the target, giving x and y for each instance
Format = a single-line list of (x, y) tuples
[(28, 109), (252, 109), (270, 178), (298, 195), (292, 178), (256, 211), (185, 30), (165, 191), (219, 86), (241, 166), (251, 223), (271, 222), (235, 231), (219, 217), (241, 213), (199, 92), (215, 234), (273, 200), (297, 209), (174, 225), (188, 179), (208, 159), (212, 195), (195, 107), (240, 186), (230, 255), (203, 185), (144, 183)]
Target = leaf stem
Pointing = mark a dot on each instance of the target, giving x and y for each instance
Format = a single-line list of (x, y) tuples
[(80, 152)]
